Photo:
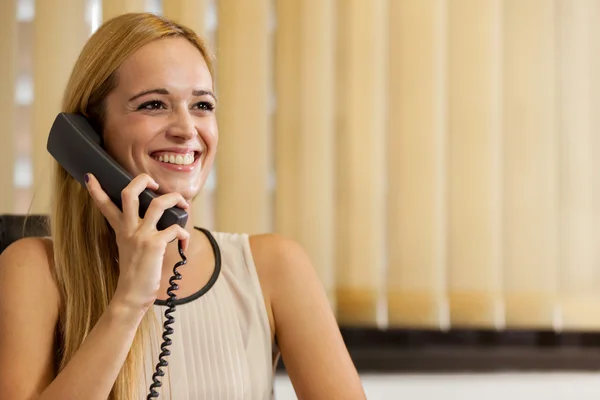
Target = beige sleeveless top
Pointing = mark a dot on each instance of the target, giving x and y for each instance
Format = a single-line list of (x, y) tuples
[(221, 345)]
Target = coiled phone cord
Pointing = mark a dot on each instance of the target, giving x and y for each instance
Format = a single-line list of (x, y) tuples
[(162, 362)]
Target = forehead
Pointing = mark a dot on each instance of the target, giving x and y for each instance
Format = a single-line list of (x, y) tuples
[(169, 62)]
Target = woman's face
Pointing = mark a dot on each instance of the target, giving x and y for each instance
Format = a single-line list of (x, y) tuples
[(160, 118)]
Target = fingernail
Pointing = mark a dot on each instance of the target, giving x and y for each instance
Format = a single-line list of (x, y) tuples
[(87, 178)]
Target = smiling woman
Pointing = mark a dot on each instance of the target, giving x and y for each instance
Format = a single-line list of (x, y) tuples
[(93, 291), (164, 108)]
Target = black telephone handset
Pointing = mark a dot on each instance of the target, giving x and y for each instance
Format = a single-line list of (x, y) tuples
[(77, 147)]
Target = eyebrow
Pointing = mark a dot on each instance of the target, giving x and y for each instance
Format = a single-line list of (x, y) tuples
[(196, 93)]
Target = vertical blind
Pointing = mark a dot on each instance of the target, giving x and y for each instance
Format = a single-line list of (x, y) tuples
[(439, 160)]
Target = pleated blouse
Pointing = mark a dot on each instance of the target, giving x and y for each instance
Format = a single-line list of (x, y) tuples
[(221, 345)]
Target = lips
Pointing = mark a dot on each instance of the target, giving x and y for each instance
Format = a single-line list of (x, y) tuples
[(177, 159), (176, 155)]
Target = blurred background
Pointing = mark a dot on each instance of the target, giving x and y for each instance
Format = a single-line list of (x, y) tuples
[(438, 159)]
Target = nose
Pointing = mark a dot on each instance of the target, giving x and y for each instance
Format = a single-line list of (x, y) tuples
[(182, 127)]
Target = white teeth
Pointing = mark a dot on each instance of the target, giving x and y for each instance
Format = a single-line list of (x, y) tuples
[(179, 159)]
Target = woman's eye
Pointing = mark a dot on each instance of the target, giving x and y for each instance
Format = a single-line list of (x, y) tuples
[(205, 106), (151, 105)]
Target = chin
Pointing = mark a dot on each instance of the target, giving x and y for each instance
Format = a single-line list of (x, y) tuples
[(186, 192)]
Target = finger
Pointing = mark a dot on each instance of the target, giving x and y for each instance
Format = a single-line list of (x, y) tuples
[(175, 232), (159, 205), (104, 202), (130, 198)]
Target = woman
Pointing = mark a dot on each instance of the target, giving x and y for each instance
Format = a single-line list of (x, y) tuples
[(77, 310)]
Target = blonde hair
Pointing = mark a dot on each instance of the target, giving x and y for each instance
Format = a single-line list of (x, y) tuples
[(85, 250)]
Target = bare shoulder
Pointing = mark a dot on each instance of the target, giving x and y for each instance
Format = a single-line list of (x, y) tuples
[(300, 312), (28, 263), (29, 306), (280, 261), (277, 259), (26, 272), (30, 246), (276, 253)]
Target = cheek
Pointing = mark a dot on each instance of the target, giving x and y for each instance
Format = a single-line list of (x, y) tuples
[(129, 133), (110, 144), (113, 137), (211, 137), (121, 145)]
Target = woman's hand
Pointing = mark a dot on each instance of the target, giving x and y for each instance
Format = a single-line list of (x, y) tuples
[(141, 246)]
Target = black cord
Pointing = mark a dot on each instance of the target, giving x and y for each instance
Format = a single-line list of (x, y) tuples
[(162, 362)]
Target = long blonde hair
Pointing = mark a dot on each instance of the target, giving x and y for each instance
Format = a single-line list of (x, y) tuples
[(85, 250)]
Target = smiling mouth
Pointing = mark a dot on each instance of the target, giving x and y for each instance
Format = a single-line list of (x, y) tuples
[(177, 158)]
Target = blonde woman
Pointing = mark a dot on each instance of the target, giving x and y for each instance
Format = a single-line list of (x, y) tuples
[(78, 311)]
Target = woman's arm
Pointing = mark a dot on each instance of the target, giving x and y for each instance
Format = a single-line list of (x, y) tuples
[(29, 303), (312, 347)]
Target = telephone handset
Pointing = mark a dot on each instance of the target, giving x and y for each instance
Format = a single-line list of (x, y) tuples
[(77, 147)]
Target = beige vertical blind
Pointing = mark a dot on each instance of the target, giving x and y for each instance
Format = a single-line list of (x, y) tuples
[(474, 185), (56, 47), (191, 13), (243, 163), (530, 161), (360, 154), (113, 8), (580, 162), (438, 157), (305, 129), (8, 77), (416, 154)]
